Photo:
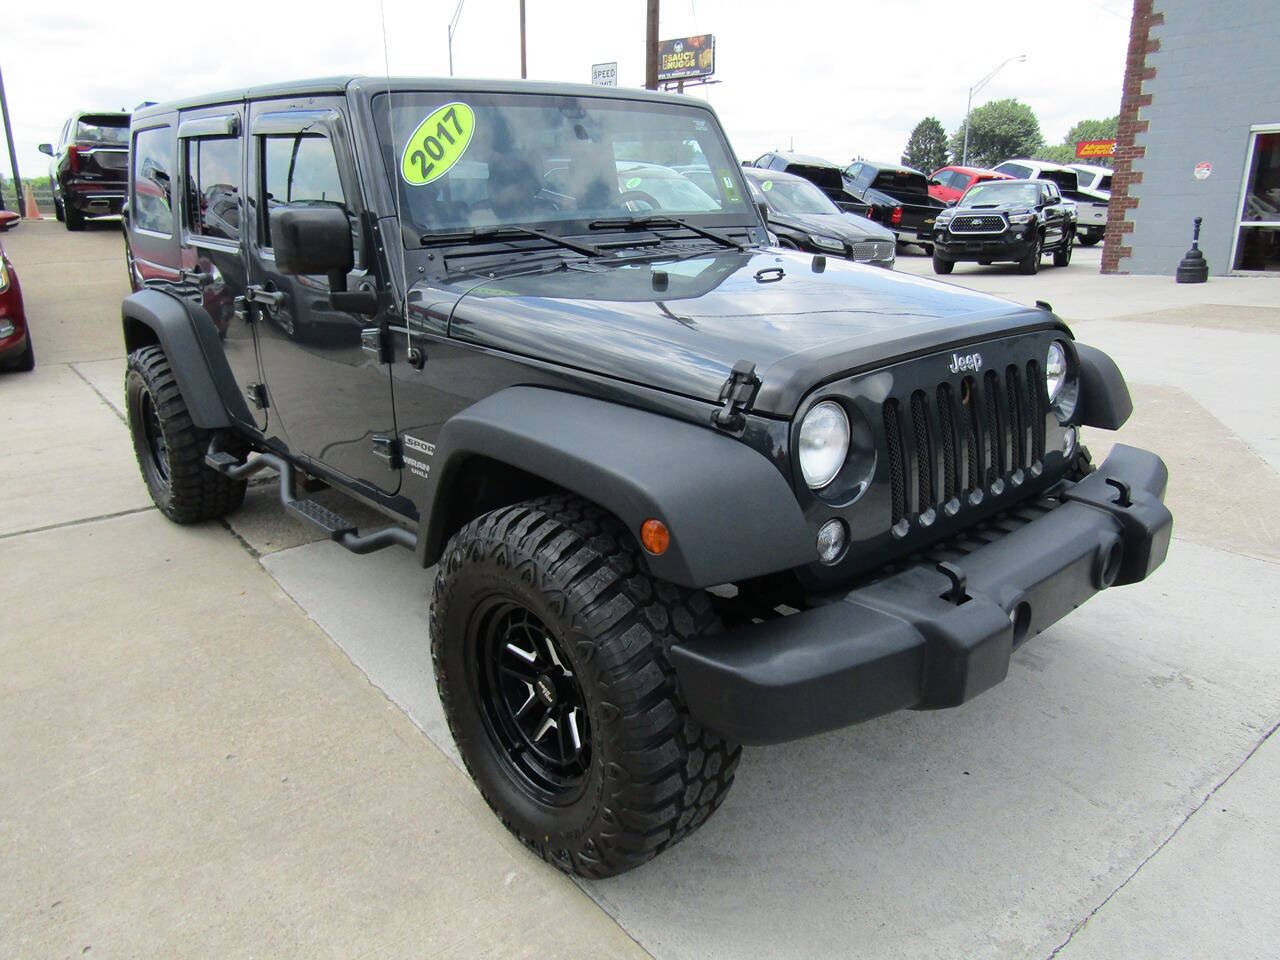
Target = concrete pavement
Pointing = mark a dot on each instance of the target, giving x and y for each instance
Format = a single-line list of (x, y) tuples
[(181, 774)]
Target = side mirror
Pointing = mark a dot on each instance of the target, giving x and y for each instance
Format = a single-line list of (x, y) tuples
[(8, 220), (46, 148), (952, 203), (935, 183), (313, 240)]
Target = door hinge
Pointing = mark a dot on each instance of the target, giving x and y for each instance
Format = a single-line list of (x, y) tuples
[(737, 394), (257, 394), (377, 340), (388, 448)]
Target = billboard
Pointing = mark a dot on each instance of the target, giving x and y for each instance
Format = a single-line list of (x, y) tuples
[(1095, 148), (687, 58)]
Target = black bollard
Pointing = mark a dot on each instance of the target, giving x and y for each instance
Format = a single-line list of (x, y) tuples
[(1194, 268)]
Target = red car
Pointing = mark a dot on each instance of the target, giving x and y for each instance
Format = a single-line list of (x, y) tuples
[(16, 352), (948, 183)]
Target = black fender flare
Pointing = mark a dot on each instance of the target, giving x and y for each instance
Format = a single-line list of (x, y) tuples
[(730, 512), (1104, 396), (186, 333)]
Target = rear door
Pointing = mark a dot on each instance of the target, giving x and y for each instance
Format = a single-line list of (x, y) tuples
[(211, 163), (330, 396)]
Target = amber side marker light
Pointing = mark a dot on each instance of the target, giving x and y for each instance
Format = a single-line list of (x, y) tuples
[(655, 536)]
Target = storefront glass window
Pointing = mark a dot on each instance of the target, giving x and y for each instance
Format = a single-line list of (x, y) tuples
[(1258, 245)]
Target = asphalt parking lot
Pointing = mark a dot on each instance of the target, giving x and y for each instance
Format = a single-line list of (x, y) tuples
[(225, 740)]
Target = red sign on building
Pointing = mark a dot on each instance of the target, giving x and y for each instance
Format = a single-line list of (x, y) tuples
[(1095, 148)]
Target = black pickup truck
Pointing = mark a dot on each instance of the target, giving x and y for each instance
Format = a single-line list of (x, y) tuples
[(884, 184)]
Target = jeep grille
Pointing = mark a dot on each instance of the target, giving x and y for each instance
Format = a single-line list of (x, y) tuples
[(979, 434)]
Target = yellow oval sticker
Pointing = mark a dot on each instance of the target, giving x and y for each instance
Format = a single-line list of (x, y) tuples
[(767, 186), (437, 144), (634, 182)]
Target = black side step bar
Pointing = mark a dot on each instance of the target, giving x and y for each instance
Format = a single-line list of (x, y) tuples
[(340, 530)]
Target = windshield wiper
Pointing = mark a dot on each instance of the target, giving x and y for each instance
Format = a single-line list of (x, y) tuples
[(513, 232), (649, 223)]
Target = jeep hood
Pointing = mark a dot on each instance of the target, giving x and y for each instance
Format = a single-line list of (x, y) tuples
[(681, 325)]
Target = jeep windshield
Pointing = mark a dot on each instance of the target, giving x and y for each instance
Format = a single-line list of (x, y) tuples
[(464, 161)]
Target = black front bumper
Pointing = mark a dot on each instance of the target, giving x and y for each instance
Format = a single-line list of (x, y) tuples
[(926, 637), (979, 246)]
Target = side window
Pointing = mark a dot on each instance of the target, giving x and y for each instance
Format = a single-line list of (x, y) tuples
[(1015, 170), (299, 168), (777, 163), (152, 205), (213, 175)]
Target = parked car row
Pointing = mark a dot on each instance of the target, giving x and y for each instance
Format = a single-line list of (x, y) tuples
[(908, 202)]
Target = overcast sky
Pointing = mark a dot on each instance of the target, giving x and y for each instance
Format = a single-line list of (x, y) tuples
[(840, 79)]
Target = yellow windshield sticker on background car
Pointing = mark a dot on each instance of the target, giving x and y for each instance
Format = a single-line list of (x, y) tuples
[(633, 183), (437, 144), (767, 186)]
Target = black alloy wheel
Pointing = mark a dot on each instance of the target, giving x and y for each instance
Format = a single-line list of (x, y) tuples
[(533, 706)]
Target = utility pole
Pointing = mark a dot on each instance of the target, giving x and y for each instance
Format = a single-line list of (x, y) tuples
[(524, 65), (651, 48), (13, 155), (453, 28)]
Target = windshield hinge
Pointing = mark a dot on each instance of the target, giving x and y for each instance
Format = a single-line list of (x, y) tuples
[(737, 394), (377, 340)]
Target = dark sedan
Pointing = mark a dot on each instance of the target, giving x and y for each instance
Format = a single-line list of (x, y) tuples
[(803, 218)]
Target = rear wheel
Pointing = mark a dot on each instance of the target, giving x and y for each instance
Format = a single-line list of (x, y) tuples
[(73, 218), (1030, 264), (1062, 256), (550, 645), (942, 265), (1089, 239), (169, 447), (57, 210)]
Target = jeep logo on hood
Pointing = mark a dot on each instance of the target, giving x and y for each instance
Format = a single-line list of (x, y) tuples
[(968, 361)]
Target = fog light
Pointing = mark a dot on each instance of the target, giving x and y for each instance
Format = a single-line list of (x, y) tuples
[(831, 540), (1069, 442)]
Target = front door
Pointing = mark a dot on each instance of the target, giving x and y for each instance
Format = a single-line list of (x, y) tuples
[(329, 396)]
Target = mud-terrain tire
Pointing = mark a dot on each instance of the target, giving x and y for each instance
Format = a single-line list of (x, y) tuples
[(629, 772), (169, 447)]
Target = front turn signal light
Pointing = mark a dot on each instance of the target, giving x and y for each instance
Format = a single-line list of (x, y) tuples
[(655, 537)]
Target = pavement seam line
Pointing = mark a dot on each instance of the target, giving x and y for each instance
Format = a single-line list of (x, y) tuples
[(101, 396), (77, 522), (1164, 843)]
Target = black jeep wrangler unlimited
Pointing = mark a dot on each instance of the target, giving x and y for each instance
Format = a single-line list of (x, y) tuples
[(682, 491)]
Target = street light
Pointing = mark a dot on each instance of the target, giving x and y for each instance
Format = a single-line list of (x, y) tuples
[(453, 26), (964, 162)]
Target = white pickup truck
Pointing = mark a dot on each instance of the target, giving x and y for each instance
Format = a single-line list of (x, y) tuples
[(1091, 204)]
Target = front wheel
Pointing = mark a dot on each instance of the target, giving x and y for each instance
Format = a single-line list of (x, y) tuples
[(942, 265), (550, 642), (1030, 264), (170, 448), (1062, 256)]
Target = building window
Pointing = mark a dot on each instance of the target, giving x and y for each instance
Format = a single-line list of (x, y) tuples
[(1258, 240)]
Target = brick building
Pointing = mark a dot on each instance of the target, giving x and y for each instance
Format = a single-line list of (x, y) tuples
[(1199, 135)]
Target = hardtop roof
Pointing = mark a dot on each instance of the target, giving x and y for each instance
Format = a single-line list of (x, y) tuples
[(369, 86)]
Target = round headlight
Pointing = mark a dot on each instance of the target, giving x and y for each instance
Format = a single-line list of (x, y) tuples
[(1055, 370), (824, 443)]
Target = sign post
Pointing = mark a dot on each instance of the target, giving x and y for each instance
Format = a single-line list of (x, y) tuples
[(605, 74)]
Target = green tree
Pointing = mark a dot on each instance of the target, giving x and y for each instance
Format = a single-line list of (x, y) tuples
[(927, 147), (998, 130)]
